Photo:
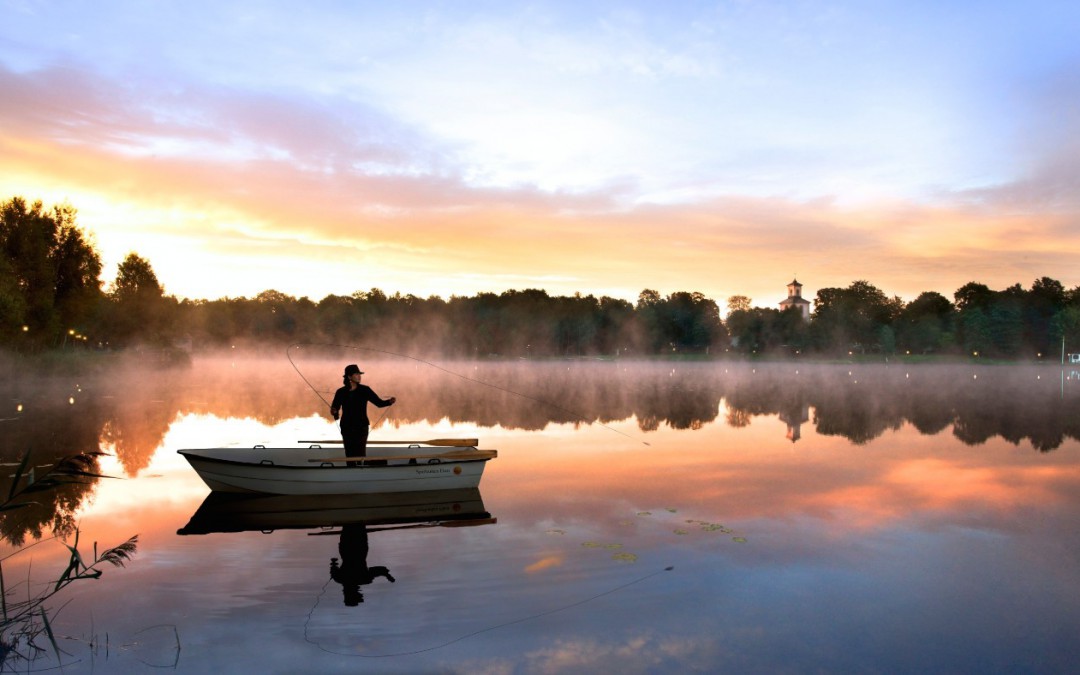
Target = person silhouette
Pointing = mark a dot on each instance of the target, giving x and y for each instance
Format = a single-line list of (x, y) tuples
[(350, 406), (353, 572)]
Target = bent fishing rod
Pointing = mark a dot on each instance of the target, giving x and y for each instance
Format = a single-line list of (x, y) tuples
[(550, 404)]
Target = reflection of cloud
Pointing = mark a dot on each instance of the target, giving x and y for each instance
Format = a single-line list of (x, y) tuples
[(545, 563), (628, 654), (834, 530), (915, 489)]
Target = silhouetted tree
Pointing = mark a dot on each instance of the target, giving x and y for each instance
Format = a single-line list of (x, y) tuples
[(1066, 326), (1044, 301), (926, 323), (738, 303), (852, 317), (973, 295), (49, 278), (993, 323), (137, 313), (649, 320)]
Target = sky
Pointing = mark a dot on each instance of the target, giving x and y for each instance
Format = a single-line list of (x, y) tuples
[(451, 148)]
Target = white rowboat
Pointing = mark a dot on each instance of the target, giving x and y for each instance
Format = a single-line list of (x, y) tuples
[(317, 471)]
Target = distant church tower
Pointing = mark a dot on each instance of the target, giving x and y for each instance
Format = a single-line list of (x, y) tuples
[(795, 299), (794, 416)]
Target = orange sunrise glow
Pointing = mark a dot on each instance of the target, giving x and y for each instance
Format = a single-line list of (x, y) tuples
[(594, 150)]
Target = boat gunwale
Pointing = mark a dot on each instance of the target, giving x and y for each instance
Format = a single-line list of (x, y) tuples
[(194, 453)]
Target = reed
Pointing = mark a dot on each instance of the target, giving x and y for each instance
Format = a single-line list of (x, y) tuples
[(25, 626)]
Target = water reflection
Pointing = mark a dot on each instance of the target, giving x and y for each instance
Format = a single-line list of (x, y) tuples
[(355, 515), (129, 414), (132, 413), (354, 572), (50, 421), (723, 547), (229, 512)]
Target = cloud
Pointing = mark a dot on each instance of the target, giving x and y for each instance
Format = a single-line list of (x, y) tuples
[(332, 187)]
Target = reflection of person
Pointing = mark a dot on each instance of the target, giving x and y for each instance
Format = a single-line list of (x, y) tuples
[(350, 404), (353, 572)]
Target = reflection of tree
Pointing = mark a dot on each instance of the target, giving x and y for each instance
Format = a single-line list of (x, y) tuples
[(852, 409), (50, 429), (738, 418), (860, 403), (138, 418), (131, 409), (1029, 412), (928, 414), (25, 617)]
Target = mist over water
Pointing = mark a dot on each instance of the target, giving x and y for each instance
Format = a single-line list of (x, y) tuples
[(856, 508), (132, 409)]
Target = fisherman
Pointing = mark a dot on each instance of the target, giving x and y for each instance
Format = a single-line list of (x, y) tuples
[(350, 405)]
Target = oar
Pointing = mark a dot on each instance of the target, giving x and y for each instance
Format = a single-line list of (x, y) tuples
[(464, 522), (451, 456), (445, 442)]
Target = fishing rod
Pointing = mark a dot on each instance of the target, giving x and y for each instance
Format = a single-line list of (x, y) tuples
[(550, 404)]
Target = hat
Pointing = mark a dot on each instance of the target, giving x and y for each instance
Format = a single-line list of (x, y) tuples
[(352, 368)]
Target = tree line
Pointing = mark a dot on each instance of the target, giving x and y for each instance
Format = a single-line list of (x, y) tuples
[(52, 297), (1012, 323)]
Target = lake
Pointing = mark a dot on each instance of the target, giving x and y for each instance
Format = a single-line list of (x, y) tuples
[(641, 517)]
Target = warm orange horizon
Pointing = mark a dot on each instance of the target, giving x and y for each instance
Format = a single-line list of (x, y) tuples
[(592, 151)]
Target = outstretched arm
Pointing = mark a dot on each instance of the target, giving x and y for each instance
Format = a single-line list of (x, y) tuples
[(382, 402)]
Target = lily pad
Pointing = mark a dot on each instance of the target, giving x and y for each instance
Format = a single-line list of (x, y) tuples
[(715, 527)]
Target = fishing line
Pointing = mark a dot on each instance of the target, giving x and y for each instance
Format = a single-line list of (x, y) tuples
[(556, 406), (317, 392), (476, 632)]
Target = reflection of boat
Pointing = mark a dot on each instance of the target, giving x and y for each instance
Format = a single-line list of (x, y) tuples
[(308, 471), (230, 512)]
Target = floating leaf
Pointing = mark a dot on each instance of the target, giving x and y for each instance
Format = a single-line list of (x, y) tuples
[(715, 527), (681, 531), (671, 510), (739, 540), (556, 532), (644, 513), (612, 545), (626, 557), (592, 544)]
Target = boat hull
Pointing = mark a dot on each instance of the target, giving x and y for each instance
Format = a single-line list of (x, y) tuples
[(291, 471), (232, 512)]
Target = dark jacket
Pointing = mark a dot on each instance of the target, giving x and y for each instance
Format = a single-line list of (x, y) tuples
[(351, 405)]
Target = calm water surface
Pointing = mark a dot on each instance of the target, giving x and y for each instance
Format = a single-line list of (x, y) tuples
[(651, 518)]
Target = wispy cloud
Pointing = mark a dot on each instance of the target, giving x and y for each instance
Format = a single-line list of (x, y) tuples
[(580, 149)]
